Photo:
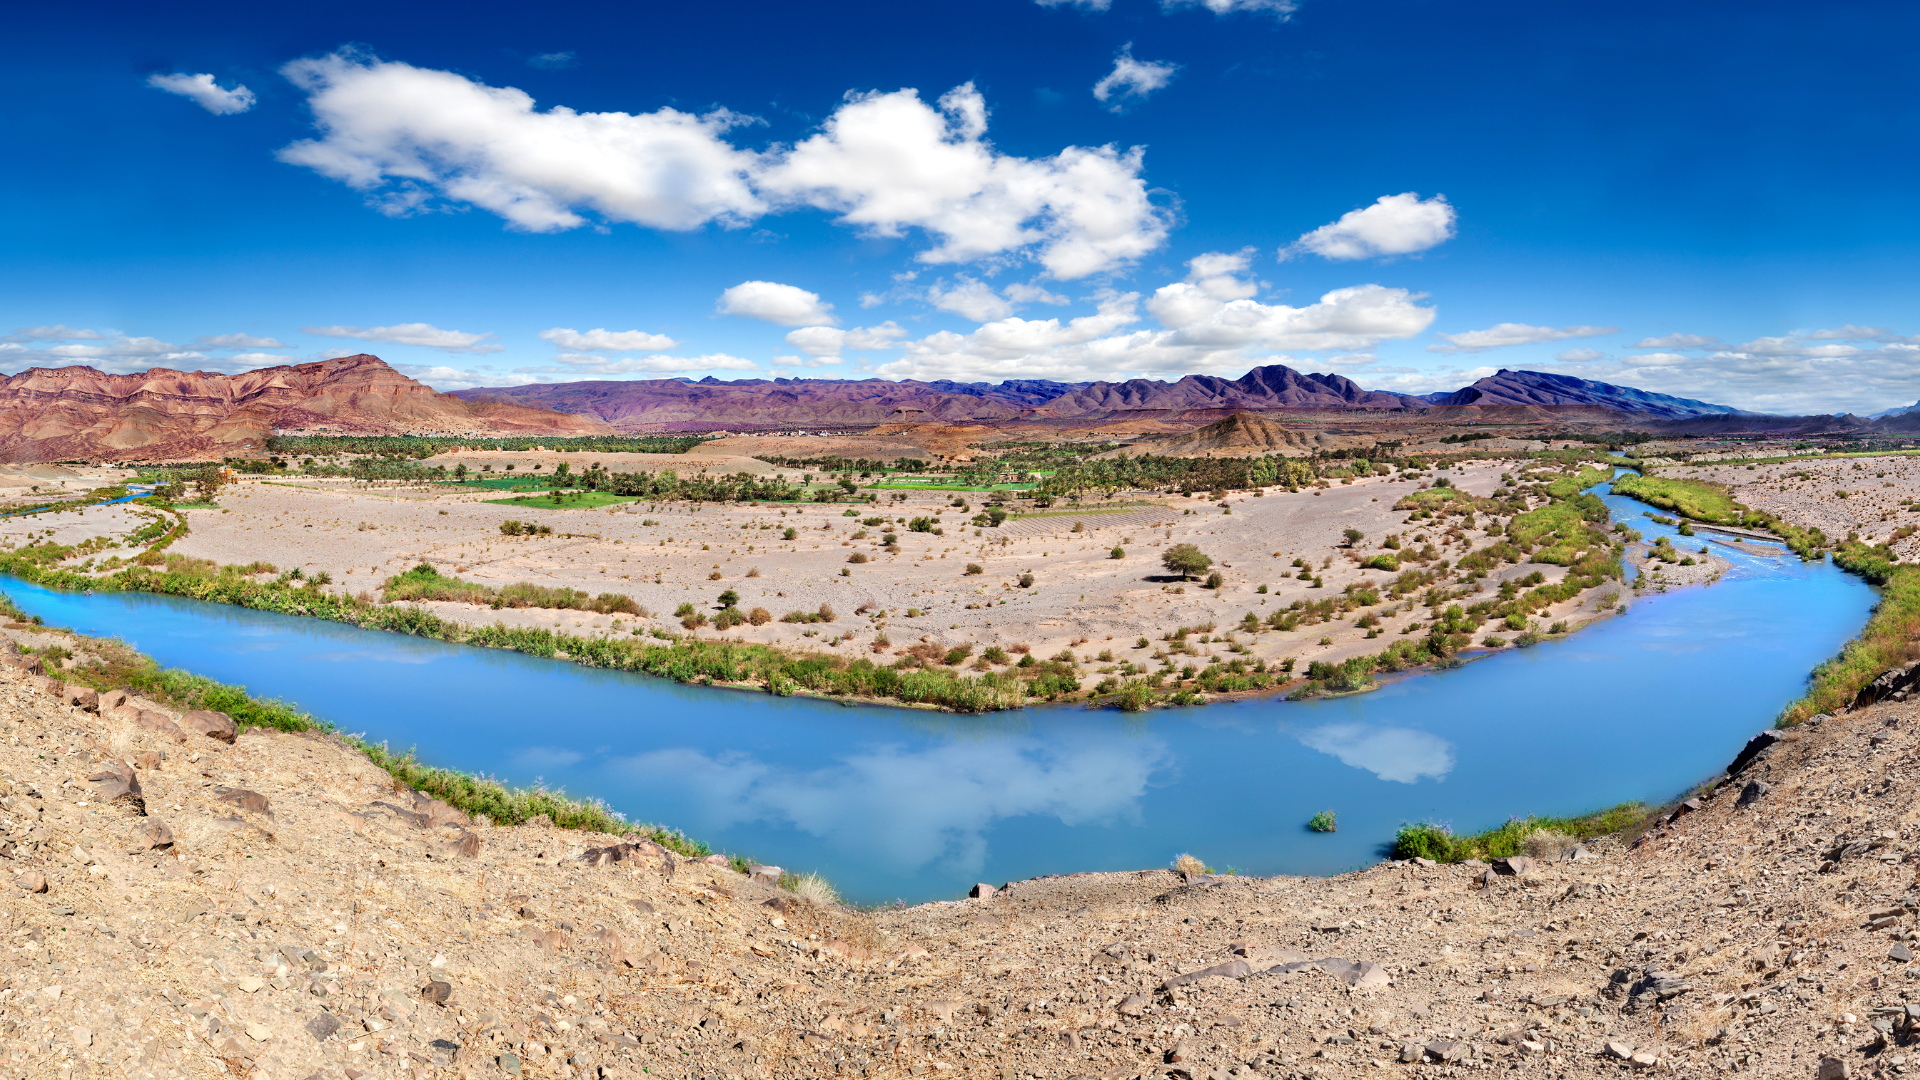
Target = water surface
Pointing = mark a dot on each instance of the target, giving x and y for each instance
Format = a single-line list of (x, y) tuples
[(896, 803)]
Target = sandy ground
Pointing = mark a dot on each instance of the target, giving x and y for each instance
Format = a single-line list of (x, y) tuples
[(1081, 596), (275, 909), (1808, 493), (74, 526)]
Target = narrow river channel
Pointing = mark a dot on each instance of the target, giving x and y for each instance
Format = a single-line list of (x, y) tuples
[(898, 804)]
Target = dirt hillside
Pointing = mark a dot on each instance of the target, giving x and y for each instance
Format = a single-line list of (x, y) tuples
[(176, 905)]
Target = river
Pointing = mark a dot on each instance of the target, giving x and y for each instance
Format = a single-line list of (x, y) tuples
[(900, 804)]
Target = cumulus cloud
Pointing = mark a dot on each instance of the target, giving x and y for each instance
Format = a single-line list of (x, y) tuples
[(608, 340), (1394, 225), (831, 341), (1512, 333), (1401, 755), (782, 305), (424, 335), (1281, 9), (969, 299), (553, 61), (1132, 80), (109, 351), (1848, 332), (578, 364), (205, 92), (1032, 293), (886, 163), (1676, 341), (239, 341), (444, 378), (58, 332), (1581, 356)]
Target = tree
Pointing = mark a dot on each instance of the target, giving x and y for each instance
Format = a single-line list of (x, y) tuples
[(1185, 560), (206, 483), (1353, 536), (729, 599)]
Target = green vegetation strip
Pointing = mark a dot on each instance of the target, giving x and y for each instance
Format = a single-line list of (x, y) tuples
[(114, 665), (1711, 503), (1434, 840)]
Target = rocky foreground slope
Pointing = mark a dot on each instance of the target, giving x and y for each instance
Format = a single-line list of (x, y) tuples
[(178, 905), (51, 414)]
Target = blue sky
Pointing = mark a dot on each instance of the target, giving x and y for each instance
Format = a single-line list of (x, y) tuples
[(1709, 199)]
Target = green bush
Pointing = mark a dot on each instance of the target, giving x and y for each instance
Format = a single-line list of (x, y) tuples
[(1322, 822)]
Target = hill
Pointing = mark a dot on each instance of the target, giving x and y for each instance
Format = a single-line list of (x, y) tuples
[(1543, 388), (1244, 434), (49, 414)]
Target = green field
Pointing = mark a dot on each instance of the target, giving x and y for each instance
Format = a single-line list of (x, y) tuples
[(565, 500), (1688, 498)]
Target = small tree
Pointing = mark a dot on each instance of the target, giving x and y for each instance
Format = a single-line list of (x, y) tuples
[(206, 483), (1186, 560), (729, 599), (1353, 536)]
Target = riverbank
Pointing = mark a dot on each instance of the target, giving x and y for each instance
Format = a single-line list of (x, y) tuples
[(277, 910)]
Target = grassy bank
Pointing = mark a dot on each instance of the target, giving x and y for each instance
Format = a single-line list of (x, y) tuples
[(1519, 836), (109, 665), (1711, 503), (1887, 641)]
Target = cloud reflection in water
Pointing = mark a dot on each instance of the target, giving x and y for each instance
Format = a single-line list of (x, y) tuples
[(911, 807), (1400, 754)]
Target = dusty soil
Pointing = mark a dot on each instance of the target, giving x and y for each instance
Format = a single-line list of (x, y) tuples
[(1870, 495), (665, 554), (275, 908)]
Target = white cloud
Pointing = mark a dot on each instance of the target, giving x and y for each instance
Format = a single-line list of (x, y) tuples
[(553, 61), (969, 299), (1282, 9), (1848, 332), (450, 378), (1394, 225), (1402, 755), (1581, 356), (205, 92), (264, 359), (1031, 293), (885, 162), (1676, 341), (780, 362), (1132, 80), (830, 341), (578, 364), (1510, 333), (58, 332), (782, 305), (239, 341), (608, 340), (424, 335), (1090, 5)]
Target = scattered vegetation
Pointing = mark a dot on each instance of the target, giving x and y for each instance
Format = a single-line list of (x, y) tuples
[(1436, 841)]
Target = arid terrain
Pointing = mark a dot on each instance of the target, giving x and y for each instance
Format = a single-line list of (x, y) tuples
[(178, 906), (666, 554)]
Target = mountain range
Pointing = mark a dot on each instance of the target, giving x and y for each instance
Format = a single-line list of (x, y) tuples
[(50, 414), (713, 404)]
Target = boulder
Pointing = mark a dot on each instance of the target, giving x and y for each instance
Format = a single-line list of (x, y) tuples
[(1513, 866), (1751, 752), (641, 851), (214, 725), (765, 875), (1892, 684), (251, 801), (982, 891), (118, 784), (1751, 793), (83, 697), (32, 881), (148, 720)]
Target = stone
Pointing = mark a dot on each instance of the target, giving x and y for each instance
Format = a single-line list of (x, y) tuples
[(765, 875), (1833, 1069), (1132, 1006), (32, 881), (83, 697), (82, 1038), (113, 699), (1643, 1059), (1752, 792), (437, 992), (1234, 969), (250, 801), (1446, 1050), (251, 984), (720, 861), (1617, 1049), (323, 1026), (642, 851), (509, 1064), (148, 720), (118, 784), (1900, 954), (1411, 1053), (1513, 865), (982, 891), (259, 1032), (1751, 752), (214, 725)]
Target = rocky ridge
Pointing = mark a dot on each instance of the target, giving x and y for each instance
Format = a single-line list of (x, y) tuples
[(48, 414), (185, 900)]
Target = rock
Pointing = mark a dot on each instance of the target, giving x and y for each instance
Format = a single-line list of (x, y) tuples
[(117, 784), (32, 881), (1751, 793), (322, 1026), (148, 720), (982, 891), (1643, 1059), (251, 984), (1446, 1050), (437, 992), (82, 1038), (1891, 682), (259, 1032), (720, 861), (83, 697), (1900, 954), (214, 725), (765, 875), (1366, 976), (113, 699), (1833, 1069), (1235, 969), (509, 1064), (1617, 1049), (1580, 854), (1513, 865), (250, 801), (642, 851), (1751, 752), (1133, 1006)]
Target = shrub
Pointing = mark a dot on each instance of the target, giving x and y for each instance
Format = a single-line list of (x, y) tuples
[(790, 534), (825, 613), (1143, 643), (1117, 553), (1384, 562), (1026, 581), (1215, 580), (921, 525), (1424, 840), (728, 618), (994, 654), (956, 654), (685, 609), (1187, 864), (759, 616), (714, 576), (973, 568), (1322, 822), (857, 557), (729, 599)]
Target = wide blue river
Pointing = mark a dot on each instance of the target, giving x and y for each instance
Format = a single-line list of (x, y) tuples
[(899, 804)]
